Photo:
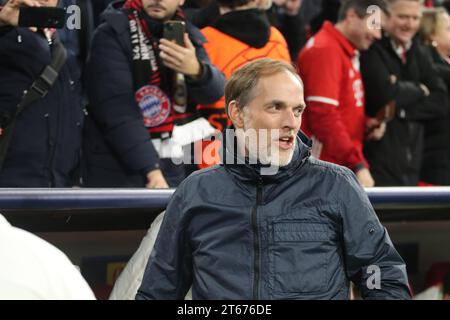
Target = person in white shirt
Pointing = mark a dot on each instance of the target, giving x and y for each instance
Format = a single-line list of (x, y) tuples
[(33, 269)]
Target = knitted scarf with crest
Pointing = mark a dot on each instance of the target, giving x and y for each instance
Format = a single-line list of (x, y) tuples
[(153, 82)]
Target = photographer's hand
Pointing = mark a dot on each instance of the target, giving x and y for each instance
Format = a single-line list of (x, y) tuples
[(180, 59), (9, 15)]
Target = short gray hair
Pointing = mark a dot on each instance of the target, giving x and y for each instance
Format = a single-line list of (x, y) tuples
[(242, 82)]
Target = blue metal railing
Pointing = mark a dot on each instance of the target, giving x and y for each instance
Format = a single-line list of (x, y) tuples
[(112, 209), (402, 197), (84, 198), (144, 198)]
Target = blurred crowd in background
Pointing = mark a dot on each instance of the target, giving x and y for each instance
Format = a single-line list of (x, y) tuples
[(120, 112)]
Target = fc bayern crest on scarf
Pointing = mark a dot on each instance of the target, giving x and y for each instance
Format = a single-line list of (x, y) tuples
[(154, 104)]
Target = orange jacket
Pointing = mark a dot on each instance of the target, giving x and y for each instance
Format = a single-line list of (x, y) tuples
[(228, 54)]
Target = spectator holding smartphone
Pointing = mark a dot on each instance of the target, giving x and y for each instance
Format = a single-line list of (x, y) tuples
[(129, 136), (41, 143)]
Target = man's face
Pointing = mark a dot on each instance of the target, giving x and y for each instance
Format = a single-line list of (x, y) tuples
[(404, 20), (162, 10), (275, 115), (442, 36), (363, 32)]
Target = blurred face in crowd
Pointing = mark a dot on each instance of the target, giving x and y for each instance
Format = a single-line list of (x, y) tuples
[(273, 117), (162, 10), (442, 35), (292, 6), (360, 31), (263, 4), (404, 20)]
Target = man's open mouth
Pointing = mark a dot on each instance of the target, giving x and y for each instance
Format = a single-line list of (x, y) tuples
[(286, 142)]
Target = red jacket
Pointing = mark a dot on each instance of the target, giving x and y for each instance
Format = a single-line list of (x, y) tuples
[(334, 94)]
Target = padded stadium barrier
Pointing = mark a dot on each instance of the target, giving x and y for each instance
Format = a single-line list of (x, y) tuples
[(47, 210)]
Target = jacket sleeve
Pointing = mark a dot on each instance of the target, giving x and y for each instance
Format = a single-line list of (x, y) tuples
[(436, 104), (408, 95), (293, 30), (20, 64), (168, 274), (440, 66), (112, 103), (379, 90), (321, 74), (210, 87), (10, 88), (443, 71), (371, 260)]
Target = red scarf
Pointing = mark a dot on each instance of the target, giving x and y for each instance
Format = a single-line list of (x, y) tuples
[(153, 82)]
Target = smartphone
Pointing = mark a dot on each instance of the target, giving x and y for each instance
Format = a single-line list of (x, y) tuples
[(42, 17), (174, 31)]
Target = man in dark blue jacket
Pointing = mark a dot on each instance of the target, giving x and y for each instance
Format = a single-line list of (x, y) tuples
[(143, 91), (45, 145), (283, 227)]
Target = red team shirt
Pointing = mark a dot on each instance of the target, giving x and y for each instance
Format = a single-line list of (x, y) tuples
[(334, 95)]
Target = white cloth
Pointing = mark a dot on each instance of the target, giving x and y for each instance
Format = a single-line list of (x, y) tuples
[(181, 136), (432, 293), (129, 281), (33, 269)]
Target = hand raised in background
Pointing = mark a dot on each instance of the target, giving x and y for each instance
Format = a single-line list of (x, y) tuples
[(180, 59), (9, 15)]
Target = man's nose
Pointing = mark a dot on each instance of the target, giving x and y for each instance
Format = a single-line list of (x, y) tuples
[(409, 23), (290, 120)]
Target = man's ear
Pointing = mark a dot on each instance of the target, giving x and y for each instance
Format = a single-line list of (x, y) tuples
[(236, 114), (351, 14)]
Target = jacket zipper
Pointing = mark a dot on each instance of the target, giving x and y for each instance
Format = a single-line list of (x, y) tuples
[(256, 247)]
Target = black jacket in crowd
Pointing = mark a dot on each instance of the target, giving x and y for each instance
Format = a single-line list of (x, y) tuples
[(233, 232), (292, 28), (396, 159), (118, 149), (45, 147), (436, 159)]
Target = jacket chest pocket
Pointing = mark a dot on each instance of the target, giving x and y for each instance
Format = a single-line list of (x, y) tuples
[(299, 256)]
